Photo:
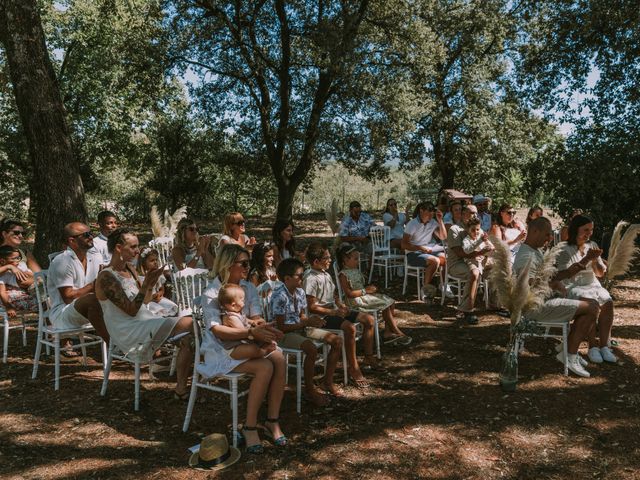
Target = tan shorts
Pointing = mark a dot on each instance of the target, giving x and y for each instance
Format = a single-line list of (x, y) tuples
[(296, 339), (556, 310)]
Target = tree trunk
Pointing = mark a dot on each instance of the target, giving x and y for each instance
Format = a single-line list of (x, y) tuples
[(286, 192), (59, 193)]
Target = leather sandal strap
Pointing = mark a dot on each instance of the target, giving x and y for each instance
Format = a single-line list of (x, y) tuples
[(273, 420), (249, 429)]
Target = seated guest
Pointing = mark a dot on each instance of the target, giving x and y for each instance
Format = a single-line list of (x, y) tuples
[(454, 214), (508, 229), (533, 213), (191, 250), (231, 266), (158, 304), (71, 283), (564, 231), (323, 300), (284, 243), (482, 204), (355, 228), (476, 241), (107, 222), (16, 293), (233, 231), (458, 267), (13, 234), (419, 241), (580, 263), (360, 296), (288, 309), (557, 310), (396, 221), (137, 331), (262, 269)]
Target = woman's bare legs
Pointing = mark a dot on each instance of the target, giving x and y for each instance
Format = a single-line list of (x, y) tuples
[(605, 322), (185, 354), (262, 371), (391, 327), (276, 391)]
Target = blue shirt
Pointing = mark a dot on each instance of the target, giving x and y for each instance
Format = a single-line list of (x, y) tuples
[(291, 306), (350, 228)]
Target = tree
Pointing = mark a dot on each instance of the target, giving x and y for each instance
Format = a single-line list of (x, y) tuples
[(271, 70), (58, 189)]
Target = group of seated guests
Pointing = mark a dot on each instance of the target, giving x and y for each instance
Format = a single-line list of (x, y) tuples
[(94, 280)]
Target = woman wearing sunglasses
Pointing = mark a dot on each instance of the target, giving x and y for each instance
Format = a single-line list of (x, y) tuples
[(13, 234), (233, 231), (232, 267), (190, 249), (508, 229)]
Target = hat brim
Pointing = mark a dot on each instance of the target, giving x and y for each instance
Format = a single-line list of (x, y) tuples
[(194, 460)]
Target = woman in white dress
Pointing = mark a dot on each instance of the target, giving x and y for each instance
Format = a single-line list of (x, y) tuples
[(133, 328), (579, 265), (232, 266), (508, 229)]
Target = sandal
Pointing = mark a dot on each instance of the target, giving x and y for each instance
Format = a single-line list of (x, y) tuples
[(256, 449), (362, 383), (392, 339), (281, 441), (69, 352)]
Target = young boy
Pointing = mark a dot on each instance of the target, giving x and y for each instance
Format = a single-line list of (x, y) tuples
[(288, 305), (108, 222), (323, 300), (476, 241)]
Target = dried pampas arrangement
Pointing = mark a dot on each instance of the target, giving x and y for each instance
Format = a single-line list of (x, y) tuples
[(168, 226), (331, 214), (623, 250)]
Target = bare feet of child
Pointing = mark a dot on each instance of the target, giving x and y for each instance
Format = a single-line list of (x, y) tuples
[(331, 387)]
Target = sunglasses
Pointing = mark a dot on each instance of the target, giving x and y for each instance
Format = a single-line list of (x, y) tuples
[(83, 235), (239, 222), (18, 233), (511, 212), (243, 263), (15, 259)]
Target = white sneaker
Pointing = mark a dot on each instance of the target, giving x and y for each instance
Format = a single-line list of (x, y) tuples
[(594, 355), (574, 366), (607, 355), (581, 360), (448, 292)]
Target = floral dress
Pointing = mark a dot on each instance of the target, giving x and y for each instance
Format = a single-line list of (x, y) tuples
[(370, 301)]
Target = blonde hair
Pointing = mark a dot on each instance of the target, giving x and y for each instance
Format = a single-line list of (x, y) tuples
[(179, 240), (230, 293), (229, 220), (225, 259)]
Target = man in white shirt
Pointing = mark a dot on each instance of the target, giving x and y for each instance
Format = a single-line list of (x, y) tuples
[(108, 222), (420, 245), (558, 310), (71, 280)]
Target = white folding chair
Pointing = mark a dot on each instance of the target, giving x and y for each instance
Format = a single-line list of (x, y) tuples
[(411, 271), (50, 336), (562, 336), (8, 325), (188, 284), (376, 320), (198, 381), (457, 284), (164, 245), (381, 255)]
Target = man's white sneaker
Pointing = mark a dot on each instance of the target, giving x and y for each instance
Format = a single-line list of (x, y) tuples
[(448, 292), (581, 360), (607, 355), (574, 366), (594, 355)]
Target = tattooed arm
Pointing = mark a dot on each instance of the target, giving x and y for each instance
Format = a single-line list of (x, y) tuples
[(109, 288)]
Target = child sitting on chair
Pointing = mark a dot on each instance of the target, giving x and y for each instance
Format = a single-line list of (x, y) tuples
[(160, 305), (476, 241), (231, 299), (365, 297), (288, 308), (16, 283)]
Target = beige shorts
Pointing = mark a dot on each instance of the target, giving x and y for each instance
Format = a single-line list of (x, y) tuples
[(69, 318), (296, 339), (556, 310)]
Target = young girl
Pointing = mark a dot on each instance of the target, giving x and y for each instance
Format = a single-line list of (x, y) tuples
[(262, 269), (476, 241), (365, 297), (150, 260), (16, 283), (231, 299)]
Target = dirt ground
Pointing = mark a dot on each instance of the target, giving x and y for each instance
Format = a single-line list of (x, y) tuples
[(435, 412)]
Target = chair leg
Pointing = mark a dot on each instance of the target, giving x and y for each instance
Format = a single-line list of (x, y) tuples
[(105, 355), (404, 282), (24, 333), (106, 372), (191, 404), (376, 335), (234, 410), (5, 340), (286, 369), (565, 348), (36, 357), (174, 361), (136, 404), (299, 380), (371, 270), (83, 349), (345, 367), (56, 353)]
